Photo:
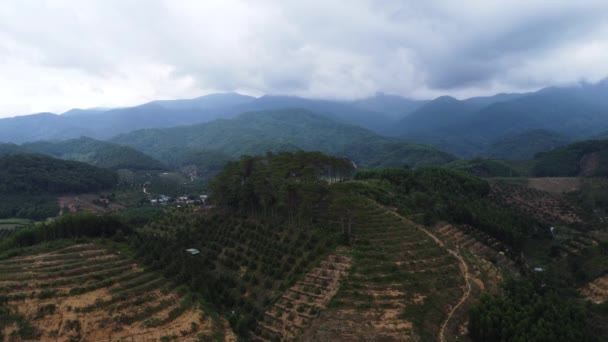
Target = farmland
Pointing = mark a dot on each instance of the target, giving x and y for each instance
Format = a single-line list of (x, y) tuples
[(8, 226), (401, 286), (86, 292)]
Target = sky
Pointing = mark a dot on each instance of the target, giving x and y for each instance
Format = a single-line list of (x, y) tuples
[(62, 54)]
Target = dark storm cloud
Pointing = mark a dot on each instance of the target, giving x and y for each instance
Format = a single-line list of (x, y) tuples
[(60, 54)]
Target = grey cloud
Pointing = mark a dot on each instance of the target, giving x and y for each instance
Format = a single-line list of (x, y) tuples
[(115, 53)]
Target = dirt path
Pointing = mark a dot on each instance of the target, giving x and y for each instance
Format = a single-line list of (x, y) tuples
[(464, 268)]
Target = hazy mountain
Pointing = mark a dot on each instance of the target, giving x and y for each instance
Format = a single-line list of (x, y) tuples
[(103, 124), (207, 102), (579, 111), (257, 132), (525, 145), (583, 158), (98, 153), (483, 101), (345, 112), (395, 106), (437, 115)]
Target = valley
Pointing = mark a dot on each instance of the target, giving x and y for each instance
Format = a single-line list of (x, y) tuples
[(286, 224)]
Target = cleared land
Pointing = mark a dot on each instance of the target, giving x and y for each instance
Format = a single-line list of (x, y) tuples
[(87, 293), (555, 185), (597, 290), (303, 301)]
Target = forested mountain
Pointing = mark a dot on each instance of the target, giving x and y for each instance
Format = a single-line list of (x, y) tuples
[(98, 153), (344, 112), (395, 106), (38, 174), (258, 132), (103, 124), (578, 111), (435, 116), (584, 158), (525, 145), (29, 183), (483, 167), (11, 149)]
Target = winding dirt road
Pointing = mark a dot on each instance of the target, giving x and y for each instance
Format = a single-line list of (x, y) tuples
[(464, 268)]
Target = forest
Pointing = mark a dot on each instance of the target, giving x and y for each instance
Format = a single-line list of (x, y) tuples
[(453, 196), (30, 183)]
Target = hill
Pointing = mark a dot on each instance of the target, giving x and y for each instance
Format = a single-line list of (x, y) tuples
[(29, 183), (576, 111), (295, 246), (97, 153), (395, 106), (585, 158), (435, 116), (483, 168), (525, 145), (103, 124), (258, 132)]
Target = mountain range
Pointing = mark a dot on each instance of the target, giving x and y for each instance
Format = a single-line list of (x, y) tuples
[(503, 126)]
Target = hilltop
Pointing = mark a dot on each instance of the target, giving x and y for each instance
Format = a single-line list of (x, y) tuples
[(285, 130)]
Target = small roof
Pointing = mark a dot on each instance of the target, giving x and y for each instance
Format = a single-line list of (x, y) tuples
[(193, 251)]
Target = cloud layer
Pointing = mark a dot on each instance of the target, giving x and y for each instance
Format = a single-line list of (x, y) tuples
[(55, 55)]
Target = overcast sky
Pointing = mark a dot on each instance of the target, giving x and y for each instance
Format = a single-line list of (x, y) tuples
[(60, 54)]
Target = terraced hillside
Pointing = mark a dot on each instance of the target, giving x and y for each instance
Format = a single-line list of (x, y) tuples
[(543, 206), (597, 290), (402, 286), (87, 293), (476, 242), (303, 301)]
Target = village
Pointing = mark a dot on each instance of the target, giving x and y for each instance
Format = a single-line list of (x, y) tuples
[(181, 200)]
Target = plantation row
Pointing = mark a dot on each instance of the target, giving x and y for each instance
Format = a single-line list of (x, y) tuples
[(302, 302), (243, 266), (401, 285), (85, 292)]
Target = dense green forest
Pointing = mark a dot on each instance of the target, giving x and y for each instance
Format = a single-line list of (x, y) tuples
[(285, 130), (585, 158), (525, 145), (29, 183), (98, 153), (483, 167), (38, 174), (453, 196), (529, 310)]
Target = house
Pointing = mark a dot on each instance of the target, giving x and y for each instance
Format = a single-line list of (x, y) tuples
[(193, 251), (539, 269), (203, 198)]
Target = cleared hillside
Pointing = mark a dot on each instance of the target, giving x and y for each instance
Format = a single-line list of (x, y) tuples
[(85, 292)]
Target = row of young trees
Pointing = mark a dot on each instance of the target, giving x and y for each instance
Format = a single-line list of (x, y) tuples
[(80, 225)]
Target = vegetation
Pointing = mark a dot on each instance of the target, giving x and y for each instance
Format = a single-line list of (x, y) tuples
[(585, 158), (285, 130), (30, 183), (97, 153), (447, 195), (483, 168), (529, 310), (66, 227), (526, 145)]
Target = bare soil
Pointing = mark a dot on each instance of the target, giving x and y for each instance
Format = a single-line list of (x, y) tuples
[(83, 307)]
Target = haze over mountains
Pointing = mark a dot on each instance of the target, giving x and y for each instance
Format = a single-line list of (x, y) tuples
[(504, 126)]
